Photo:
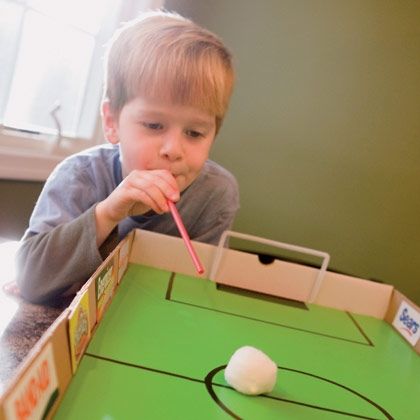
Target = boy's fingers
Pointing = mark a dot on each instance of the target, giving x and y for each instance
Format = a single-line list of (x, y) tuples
[(160, 185), (145, 196)]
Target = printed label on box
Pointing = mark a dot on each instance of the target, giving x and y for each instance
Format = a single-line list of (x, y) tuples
[(105, 284), (37, 390), (79, 330), (407, 323)]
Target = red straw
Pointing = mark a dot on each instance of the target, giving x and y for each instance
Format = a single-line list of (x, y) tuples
[(185, 237)]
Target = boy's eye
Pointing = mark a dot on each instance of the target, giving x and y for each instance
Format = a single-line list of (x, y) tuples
[(153, 125), (194, 134)]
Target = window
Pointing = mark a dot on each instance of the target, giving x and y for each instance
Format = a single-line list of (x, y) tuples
[(51, 80)]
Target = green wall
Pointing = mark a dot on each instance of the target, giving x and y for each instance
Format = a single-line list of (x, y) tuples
[(323, 129)]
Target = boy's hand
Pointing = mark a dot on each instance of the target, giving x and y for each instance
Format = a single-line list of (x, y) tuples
[(139, 192)]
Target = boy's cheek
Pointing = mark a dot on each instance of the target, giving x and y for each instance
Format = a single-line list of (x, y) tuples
[(133, 159)]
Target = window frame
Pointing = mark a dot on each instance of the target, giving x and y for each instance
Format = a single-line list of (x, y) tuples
[(32, 157)]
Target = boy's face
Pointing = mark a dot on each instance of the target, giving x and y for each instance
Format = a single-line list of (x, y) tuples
[(157, 135)]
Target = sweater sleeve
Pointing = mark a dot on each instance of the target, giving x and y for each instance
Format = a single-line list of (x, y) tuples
[(50, 263)]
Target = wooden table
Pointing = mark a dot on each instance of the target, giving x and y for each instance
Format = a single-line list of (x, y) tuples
[(21, 323)]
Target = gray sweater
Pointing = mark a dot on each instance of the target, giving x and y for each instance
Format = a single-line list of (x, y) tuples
[(58, 251)]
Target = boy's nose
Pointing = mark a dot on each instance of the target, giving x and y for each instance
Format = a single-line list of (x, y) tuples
[(171, 148)]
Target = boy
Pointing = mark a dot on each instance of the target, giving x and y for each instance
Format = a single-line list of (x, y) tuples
[(168, 84)]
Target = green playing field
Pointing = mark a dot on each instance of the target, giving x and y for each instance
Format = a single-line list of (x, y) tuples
[(161, 348)]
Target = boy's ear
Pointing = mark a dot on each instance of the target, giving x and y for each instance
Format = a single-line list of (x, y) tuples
[(109, 123)]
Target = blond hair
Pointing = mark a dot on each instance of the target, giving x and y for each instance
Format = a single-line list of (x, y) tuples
[(162, 55)]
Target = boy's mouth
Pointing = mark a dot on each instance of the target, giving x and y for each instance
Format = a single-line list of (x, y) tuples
[(178, 174)]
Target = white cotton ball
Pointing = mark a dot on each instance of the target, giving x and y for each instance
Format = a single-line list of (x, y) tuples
[(251, 371)]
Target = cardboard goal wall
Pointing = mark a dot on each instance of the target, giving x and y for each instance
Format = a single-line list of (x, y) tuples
[(42, 379)]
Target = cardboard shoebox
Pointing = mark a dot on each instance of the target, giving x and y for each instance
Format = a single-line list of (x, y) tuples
[(41, 381)]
